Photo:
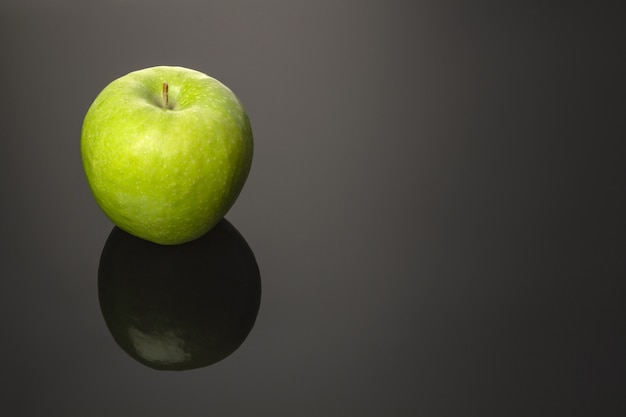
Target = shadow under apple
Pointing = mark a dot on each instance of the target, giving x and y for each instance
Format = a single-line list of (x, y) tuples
[(179, 307)]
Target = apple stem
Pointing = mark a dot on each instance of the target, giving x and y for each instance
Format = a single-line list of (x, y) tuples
[(165, 95)]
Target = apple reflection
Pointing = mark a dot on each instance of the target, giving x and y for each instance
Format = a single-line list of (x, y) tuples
[(179, 307)]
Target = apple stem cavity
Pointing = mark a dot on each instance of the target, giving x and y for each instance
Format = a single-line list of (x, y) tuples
[(165, 97)]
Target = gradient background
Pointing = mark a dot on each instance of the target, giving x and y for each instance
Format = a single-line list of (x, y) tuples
[(436, 205)]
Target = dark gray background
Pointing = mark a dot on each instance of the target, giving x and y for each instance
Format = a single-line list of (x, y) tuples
[(436, 205)]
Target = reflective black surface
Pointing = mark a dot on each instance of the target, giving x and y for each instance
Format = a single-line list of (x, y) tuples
[(436, 206)]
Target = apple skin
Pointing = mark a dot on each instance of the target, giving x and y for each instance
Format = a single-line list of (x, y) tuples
[(179, 307), (166, 173)]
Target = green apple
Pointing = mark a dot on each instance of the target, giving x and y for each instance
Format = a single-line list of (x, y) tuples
[(166, 152)]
